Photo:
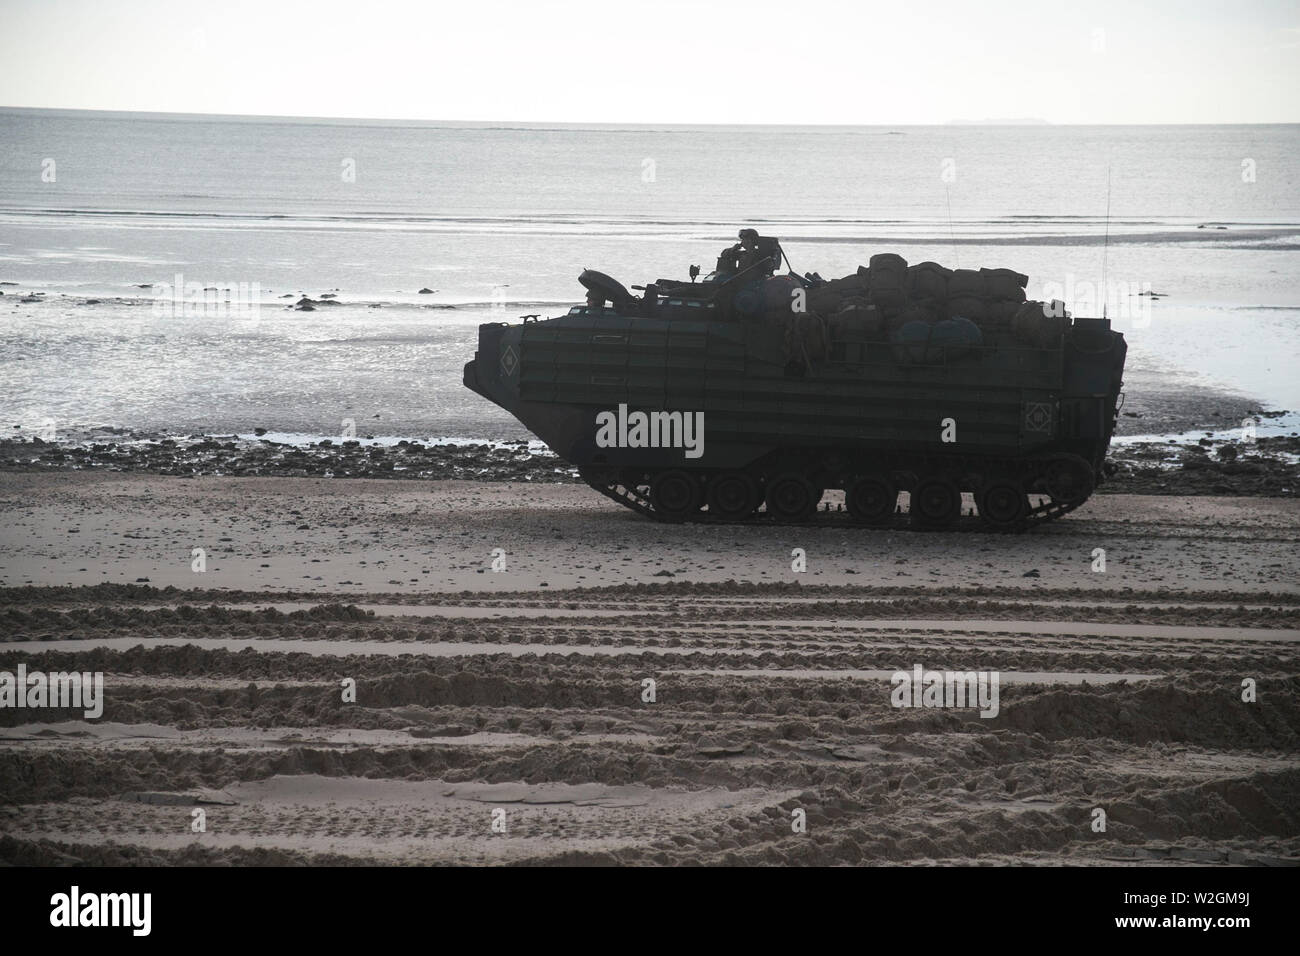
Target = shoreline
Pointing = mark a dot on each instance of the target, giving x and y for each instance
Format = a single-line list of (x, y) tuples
[(1193, 461)]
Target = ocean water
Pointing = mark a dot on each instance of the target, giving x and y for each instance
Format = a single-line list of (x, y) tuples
[(499, 221)]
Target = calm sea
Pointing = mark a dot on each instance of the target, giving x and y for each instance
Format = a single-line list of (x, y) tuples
[(499, 220)]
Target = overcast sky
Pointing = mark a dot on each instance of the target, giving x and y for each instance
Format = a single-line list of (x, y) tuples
[(738, 61)]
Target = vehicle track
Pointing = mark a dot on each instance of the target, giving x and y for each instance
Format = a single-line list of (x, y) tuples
[(763, 707)]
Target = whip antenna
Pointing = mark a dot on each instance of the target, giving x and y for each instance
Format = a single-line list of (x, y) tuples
[(951, 238), (1105, 248)]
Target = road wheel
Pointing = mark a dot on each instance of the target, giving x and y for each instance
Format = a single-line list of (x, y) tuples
[(871, 499), (1069, 480), (733, 496), (936, 503), (1002, 504), (675, 495), (791, 497)]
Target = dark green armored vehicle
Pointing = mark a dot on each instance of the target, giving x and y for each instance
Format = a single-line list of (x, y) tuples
[(748, 394)]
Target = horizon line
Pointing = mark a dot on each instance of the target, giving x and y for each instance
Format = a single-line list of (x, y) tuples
[(1030, 122)]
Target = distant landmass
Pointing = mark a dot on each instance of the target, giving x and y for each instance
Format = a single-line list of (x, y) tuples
[(1019, 121)]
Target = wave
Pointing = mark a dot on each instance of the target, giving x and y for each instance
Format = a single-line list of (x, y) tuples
[(376, 216), (1246, 239), (52, 296)]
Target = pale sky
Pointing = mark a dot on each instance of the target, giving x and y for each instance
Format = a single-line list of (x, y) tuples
[(736, 61)]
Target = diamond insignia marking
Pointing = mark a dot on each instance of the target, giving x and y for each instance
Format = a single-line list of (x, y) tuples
[(509, 360), (1038, 416)]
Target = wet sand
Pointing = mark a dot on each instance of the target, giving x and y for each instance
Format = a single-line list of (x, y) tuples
[(358, 537)]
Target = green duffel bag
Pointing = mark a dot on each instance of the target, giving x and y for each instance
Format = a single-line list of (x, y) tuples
[(1005, 284), (966, 282)]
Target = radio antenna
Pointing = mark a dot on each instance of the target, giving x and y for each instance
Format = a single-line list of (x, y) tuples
[(1105, 248), (951, 238)]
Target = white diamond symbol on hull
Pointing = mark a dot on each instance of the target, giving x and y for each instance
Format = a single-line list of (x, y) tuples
[(509, 360), (1038, 417)]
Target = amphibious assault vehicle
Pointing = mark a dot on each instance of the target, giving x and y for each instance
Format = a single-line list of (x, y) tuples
[(746, 394)]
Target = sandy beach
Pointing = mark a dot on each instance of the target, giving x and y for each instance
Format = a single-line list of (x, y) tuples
[(347, 610), (524, 690)]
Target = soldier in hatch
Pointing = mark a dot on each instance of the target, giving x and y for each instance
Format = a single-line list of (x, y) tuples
[(754, 255)]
